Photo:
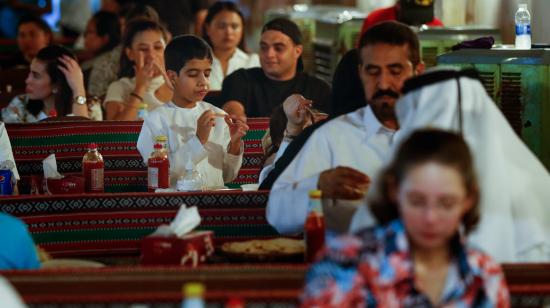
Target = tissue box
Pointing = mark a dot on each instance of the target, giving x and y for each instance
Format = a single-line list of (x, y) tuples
[(189, 250), (68, 185)]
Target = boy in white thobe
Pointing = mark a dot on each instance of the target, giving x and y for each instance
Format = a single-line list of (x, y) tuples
[(196, 130)]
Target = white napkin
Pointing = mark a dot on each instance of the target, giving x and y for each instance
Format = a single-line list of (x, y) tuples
[(185, 221), (50, 168)]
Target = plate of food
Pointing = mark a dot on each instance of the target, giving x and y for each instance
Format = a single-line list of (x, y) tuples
[(272, 250)]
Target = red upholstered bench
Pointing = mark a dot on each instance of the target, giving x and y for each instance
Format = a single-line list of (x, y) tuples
[(114, 224), (259, 285), (124, 168)]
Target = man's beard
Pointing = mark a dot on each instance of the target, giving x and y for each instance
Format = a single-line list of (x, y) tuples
[(383, 110)]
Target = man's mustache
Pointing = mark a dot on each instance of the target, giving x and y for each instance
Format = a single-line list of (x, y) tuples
[(389, 93)]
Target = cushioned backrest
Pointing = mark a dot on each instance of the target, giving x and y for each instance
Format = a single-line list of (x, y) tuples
[(116, 140), (103, 224)]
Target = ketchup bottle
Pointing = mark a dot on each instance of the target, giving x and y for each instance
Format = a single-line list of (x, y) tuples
[(158, 166), (92, 169), (314, 226)]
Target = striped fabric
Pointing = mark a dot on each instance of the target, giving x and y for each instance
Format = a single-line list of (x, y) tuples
[(124, 168), (114, 224)]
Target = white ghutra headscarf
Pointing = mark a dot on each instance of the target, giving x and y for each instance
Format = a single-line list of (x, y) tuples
[(515, 186)]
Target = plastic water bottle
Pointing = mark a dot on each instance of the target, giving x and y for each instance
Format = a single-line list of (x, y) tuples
[(523, 27)]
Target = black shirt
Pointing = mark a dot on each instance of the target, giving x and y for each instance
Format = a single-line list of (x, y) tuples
[(260, 94)]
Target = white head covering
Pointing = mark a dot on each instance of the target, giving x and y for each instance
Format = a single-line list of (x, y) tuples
[(515, 186)]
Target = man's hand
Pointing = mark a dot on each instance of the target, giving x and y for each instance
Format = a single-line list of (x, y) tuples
[(206, 121), (297, 112), (343, 183)]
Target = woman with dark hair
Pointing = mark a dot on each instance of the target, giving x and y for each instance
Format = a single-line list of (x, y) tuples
[(33, 34), (102, 33), (142, 74), (224, 31), (55, 86), (417, 257)]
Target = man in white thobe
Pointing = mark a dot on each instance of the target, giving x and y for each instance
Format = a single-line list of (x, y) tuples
[(514, 184), (340, 155)]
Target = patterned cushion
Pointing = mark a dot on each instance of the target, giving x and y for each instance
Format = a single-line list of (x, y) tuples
[(113, 224), (124, 168)]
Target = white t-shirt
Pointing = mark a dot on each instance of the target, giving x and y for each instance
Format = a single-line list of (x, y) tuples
[(238, 60), (211, 160), (119, 91)]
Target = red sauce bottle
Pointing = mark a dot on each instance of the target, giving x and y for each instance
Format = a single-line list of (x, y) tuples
[(314, 227), (93, 170), (158, 166)]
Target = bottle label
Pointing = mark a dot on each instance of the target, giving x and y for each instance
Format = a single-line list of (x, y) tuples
[(97, 179), (523, 29), (153, 177)]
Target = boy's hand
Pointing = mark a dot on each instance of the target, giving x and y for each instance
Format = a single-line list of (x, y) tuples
[(237, 130), (237, 127), (206, 121)]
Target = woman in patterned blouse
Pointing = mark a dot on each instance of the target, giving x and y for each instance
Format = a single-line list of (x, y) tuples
[(427, 204)]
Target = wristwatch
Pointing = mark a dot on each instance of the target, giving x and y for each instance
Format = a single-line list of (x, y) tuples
[(81, 100)]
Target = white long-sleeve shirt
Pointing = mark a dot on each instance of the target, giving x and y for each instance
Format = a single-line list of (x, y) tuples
[(357, 140), (212, 160), (239, 59)]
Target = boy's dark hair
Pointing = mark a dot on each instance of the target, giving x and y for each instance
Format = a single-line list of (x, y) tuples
[(214, 10), (39, 22), (107, 24), (135, 27), (392, 33), (184, 48), (423, 146)]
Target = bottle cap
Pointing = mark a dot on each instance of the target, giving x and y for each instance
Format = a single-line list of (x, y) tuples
[(234, 302), (52, 113), (157, 146), (161, 138), (315, 194), (143, 106), (193, 289), (92, 146)]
